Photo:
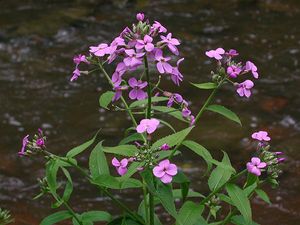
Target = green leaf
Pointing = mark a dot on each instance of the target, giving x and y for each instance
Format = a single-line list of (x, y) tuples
[(165, 195), (145, 101), (248, 190), (131, 138), (173, 139), (263, 195), (171, 111), (142, 213), (225, 198), (56, 217), (106, 98), (208, 85), (177, 194), (224, 112), (79, 149), (124, 150), (240, 201), (239, 220), (204, 153), (97, 162), (168, 125), (189, 213), (219, 175), (111, 182), (94, 216), (51, 174)]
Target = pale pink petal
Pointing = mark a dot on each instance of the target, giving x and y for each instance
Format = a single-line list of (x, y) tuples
[(122, 170), (158, 171), (262, 165), (115, 162), (172, 170), (166, 179), (141, 128), (159, 67)]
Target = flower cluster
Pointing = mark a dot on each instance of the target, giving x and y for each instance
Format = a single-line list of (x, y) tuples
[(266, 160), (235, 70), (37, 143), (144, 41)]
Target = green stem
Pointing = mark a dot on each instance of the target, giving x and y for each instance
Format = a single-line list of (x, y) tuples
[(148, 114), (207, 198), (146, 201), (122, 99), (151, 206)]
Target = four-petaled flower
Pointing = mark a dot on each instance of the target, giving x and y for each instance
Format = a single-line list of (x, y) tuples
[(157, 27), (261, 136), (121, 166), (174, 97), (171, 43), (147, 125), (162, 64), (243, 89), (217, 54), (176, 76), (146, 43), (134, 59), (24, 144), (255, 166), (165, 171), (137, 89), (77, 59), (232, 53), (100, 50), (233, 71), (251, 67)]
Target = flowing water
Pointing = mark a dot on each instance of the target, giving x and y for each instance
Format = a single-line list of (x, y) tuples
[(39, 38)]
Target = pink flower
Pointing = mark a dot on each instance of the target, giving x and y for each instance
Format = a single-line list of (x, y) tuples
[(215, 53), (165, 171), (137, 89), (174, 97), (176, 76), (233, 71), (133, 59), (24, 144), (251, 67), (40, 142), (140, 16), (76, 74), (77, 59), (171, 43), (165, 147), (100, 50), (186, 112), (121, 166), (148, 125), (261, 136), (118, 92), (146, 43), (162, 65), (232, 53), (243, 89), (157, 27), (255, 165)]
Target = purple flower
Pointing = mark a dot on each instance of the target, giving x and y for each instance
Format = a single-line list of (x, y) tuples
[(100, 50), (232, 53), (77, 59), (255, 165), (251, 67), (176, 76), (192, 120), (140, 16), (165, 147), (233, 71), (165, 171), (281, 160), (118, 92), (76, 74), (162, 65), (24, 144), (186, 112), (261, 136), (121, 166), (243, 89), (146, 43), (40, 142), (157, 27), (137, 86), (174, 97), (171, 43), (215, 53), (133, 59), (148, 125)]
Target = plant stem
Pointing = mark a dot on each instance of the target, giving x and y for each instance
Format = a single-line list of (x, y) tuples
[(151, 206), (148, 114), (207, 198), (146, 201), (122, 99)]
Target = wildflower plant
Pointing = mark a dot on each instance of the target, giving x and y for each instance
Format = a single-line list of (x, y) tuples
[(142, 56)]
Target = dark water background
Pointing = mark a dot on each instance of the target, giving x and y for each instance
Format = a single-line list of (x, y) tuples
[(39, 38)]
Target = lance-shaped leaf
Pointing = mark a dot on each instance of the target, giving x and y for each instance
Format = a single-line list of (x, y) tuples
[(170, 111), (224, 112), (97, 162), (124, 150), (106, 98), (189, 214), (56, 217), (208, 85), (145, 101)]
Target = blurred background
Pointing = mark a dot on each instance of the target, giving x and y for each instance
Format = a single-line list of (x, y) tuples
[(39, 38)]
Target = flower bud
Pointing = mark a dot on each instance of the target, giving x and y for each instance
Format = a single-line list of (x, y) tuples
[(140, 16)]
